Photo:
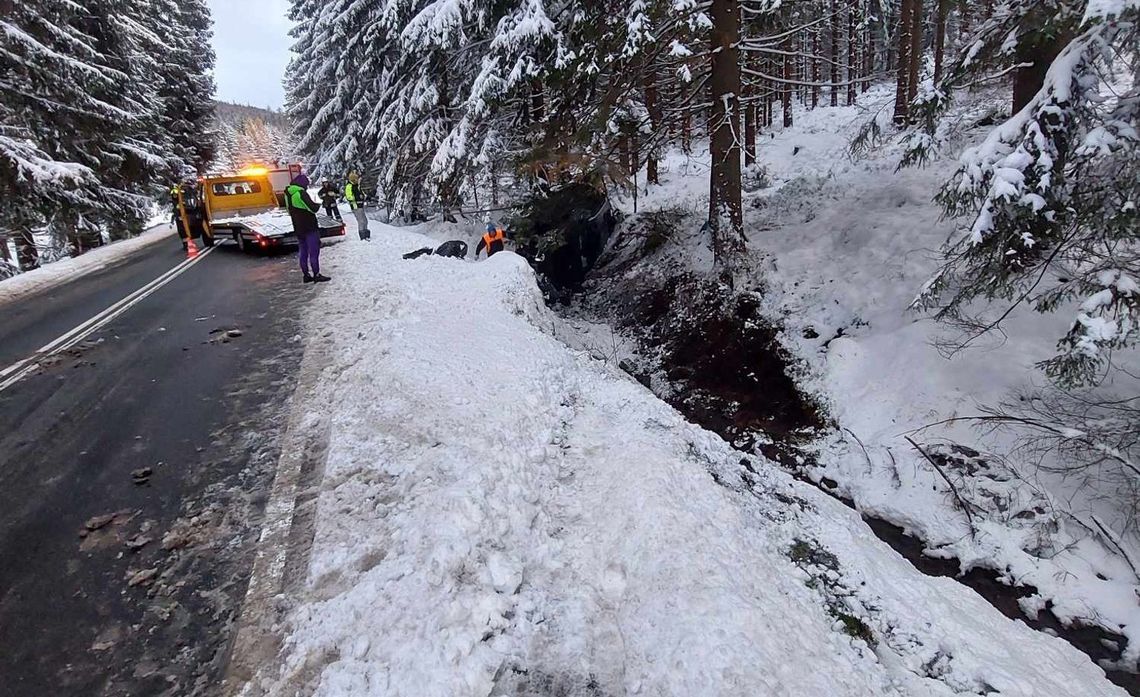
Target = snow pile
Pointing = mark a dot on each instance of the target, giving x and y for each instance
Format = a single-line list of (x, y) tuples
[(273, 222), (59, 272), (501, 515)]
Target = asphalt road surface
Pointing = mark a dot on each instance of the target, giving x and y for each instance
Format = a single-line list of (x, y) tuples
[(134, 467)]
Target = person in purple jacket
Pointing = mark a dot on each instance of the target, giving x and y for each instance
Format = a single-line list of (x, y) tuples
[(303, 212)]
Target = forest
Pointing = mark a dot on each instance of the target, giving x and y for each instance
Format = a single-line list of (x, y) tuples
[(451, 97), (105, 103)]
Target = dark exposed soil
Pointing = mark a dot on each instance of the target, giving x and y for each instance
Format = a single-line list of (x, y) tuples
[(724, 363)]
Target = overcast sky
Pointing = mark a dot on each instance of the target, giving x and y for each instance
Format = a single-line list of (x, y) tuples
[(252, 43)]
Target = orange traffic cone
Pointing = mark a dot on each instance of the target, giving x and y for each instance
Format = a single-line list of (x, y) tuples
[(191, 250)]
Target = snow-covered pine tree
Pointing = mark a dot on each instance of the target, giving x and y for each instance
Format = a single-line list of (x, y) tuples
[(183, 79), (127, 144), (225, 146), (85, 142), (408, 89), (1052, 192), (45, 58)]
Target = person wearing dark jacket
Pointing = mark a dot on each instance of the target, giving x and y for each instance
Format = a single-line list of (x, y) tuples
[(328, 194), (454, 249), (303, 212), (493, 241)]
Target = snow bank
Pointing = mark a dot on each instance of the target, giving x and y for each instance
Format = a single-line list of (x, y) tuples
[(501, 515), (65, 270)]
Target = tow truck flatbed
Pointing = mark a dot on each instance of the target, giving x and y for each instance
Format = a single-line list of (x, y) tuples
[(272, 229)]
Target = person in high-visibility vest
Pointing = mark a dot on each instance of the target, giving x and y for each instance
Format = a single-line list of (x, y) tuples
[(175, 216), (493, 241), (303, 212), (355, 198)]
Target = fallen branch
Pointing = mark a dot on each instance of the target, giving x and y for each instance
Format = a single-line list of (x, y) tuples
[(1115, 541), (870, 464), (1058, 432), (895, 478), (961, 501)]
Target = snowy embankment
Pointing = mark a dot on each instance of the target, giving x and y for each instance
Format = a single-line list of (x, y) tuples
[(502, 515), (56, 273), (840, 246)]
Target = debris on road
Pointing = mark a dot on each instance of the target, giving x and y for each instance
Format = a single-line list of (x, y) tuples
[(175, 539), (102, 521), (223, 335), (141, 475), (141, 578), (138, 542)]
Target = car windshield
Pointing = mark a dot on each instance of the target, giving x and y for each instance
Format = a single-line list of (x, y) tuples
[(236, 188)]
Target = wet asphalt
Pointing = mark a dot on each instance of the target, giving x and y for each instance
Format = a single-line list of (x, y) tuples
[(134, 471)]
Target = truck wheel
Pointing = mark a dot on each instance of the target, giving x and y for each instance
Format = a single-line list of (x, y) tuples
[(208, 239), (240, 241)]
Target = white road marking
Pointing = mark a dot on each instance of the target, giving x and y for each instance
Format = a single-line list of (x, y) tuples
[(20, 369)]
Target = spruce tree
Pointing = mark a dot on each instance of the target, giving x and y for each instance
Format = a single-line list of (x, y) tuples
[(45, 57), (1052, 193)]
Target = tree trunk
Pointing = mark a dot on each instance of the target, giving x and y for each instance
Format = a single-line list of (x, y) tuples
[(687, 129), (890, 60), (871, 46), (833, 52), (726, 220), (816, 72), (786, 88), (537, 102), (915, 50), (749, 132), (748, 90), (902, 79), (939, 38), (852, 55), (634, 163), (5, 253), (1028, 81), (27, 256), (654, 110)]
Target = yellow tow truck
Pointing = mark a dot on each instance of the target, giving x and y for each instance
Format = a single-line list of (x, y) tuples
[(249, 208)]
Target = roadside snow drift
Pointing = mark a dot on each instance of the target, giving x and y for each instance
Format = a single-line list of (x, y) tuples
[(57, 273), (501, 515)]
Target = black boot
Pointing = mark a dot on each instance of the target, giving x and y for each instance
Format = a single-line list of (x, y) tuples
[(307, 279), (320, 279)]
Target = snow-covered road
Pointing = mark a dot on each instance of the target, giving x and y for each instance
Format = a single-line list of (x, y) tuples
[(500, 515)]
